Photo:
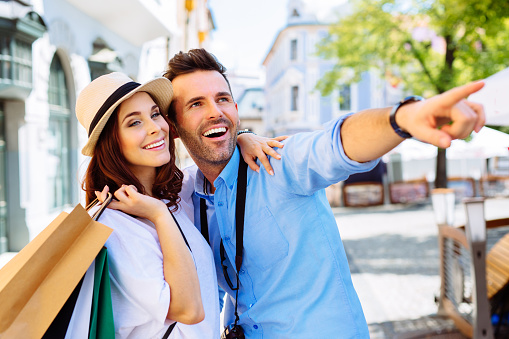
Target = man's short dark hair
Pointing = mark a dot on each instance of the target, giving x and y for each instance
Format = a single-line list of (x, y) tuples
[(194, 60)]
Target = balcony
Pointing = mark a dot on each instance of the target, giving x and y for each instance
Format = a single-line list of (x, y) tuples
[(19, 28), (136, 21)]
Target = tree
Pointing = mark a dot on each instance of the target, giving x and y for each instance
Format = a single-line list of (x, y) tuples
[(432, 45)]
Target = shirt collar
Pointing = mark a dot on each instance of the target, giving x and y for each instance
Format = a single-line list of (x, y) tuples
[(230, 172), (199, 184), (228, 175)]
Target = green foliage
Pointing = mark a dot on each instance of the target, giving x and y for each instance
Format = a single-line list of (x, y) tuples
[(381, 34), (504, 129)]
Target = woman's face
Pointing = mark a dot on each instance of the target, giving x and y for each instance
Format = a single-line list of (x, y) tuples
[(143, 134)]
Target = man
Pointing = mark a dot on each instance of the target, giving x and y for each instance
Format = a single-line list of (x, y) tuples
[(294, 279)]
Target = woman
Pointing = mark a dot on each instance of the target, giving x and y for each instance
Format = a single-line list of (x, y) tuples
[(161, 268)]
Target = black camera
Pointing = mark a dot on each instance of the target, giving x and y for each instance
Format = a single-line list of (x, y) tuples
[(233, 332)]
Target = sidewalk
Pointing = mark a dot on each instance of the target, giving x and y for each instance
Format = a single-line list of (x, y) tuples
[(394, 260)]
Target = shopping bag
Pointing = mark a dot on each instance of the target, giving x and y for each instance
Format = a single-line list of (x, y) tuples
[(88, 312), (101, 317), (38, 281)]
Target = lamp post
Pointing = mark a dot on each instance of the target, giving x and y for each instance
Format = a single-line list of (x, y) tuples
[(442, 200), (475, 229)]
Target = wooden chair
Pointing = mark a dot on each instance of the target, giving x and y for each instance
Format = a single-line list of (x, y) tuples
[(466, 270)]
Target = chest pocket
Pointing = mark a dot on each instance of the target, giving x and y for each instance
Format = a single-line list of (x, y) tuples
[(264, 243)]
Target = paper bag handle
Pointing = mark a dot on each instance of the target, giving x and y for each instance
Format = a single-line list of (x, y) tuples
[(105, 204)]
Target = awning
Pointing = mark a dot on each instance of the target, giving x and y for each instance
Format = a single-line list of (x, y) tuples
[(495, 98)]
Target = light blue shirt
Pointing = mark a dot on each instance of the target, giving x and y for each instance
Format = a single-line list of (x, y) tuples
[(295, 279)]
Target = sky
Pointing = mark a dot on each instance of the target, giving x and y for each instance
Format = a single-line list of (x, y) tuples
[(245, 31)]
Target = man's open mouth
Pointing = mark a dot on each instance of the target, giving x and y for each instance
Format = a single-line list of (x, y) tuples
[(215, 132)]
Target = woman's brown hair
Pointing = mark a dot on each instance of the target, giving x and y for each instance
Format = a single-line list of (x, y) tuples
[(108, 166)]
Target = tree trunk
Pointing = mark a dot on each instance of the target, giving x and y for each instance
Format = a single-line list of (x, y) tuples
[(441, 172)]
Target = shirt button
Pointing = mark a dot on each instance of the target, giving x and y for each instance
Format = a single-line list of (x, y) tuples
[(220, 203), (255, 327), (241, 271), (251, 305), (227, 238)]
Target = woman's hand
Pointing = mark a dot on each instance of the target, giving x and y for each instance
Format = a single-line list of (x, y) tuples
[(255, 147), (178, 265), (129, 201)]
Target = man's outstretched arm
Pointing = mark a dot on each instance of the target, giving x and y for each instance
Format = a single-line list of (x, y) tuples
[(368, 135)]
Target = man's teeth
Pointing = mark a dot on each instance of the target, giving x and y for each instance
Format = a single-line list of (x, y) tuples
[(215, 130), (155, 144)]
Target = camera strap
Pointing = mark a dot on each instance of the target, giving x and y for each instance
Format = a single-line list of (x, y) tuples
[(240, 208)]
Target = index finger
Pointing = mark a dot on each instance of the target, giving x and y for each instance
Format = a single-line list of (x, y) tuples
[(456, 94), (101, 196)]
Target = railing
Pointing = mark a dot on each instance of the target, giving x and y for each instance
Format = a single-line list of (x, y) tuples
[(463, 291)]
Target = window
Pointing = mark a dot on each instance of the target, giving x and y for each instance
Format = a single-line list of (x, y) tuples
[(293, 49), (345, 98), (103, 60), (59, 179), (15, 61), (295, 98)]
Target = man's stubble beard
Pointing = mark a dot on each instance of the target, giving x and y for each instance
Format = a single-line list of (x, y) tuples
[(203, 153)]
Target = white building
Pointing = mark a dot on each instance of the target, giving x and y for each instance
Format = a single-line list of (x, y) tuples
[(251, 106), (49, 51), (293, 69)]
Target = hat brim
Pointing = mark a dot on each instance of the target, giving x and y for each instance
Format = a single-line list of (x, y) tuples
[(160, 90)]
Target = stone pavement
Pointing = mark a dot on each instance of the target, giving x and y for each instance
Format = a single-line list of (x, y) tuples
[(394, 260)]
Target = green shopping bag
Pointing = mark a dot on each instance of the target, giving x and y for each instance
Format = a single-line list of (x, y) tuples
[(101, 316)]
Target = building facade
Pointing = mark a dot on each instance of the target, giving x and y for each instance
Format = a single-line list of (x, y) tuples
[(292, 70), (251, 105), (53, 49)]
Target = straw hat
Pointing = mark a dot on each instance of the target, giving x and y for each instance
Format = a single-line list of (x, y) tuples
[(100, 98)]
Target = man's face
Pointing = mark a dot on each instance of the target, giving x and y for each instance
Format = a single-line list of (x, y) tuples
[(207, 117)]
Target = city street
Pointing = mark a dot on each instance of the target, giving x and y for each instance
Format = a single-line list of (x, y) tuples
[(393, 256)]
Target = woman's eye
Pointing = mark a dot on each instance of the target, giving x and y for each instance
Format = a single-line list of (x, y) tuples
[(134, 123), (156, 114)]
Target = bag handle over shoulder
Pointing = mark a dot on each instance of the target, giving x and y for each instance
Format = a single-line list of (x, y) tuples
[(105, 204)]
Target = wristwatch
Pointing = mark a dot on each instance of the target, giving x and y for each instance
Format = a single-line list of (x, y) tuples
[(392, 117), (245, 131)]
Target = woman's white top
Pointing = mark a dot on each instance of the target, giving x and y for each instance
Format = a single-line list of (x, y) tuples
[(140, 295)]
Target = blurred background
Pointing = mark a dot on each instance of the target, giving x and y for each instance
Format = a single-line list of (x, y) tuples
[(293, 65)]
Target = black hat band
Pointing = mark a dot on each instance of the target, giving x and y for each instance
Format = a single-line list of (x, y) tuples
[(112, 99)]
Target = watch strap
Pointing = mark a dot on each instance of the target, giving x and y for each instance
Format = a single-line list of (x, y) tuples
[(392, 116)]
